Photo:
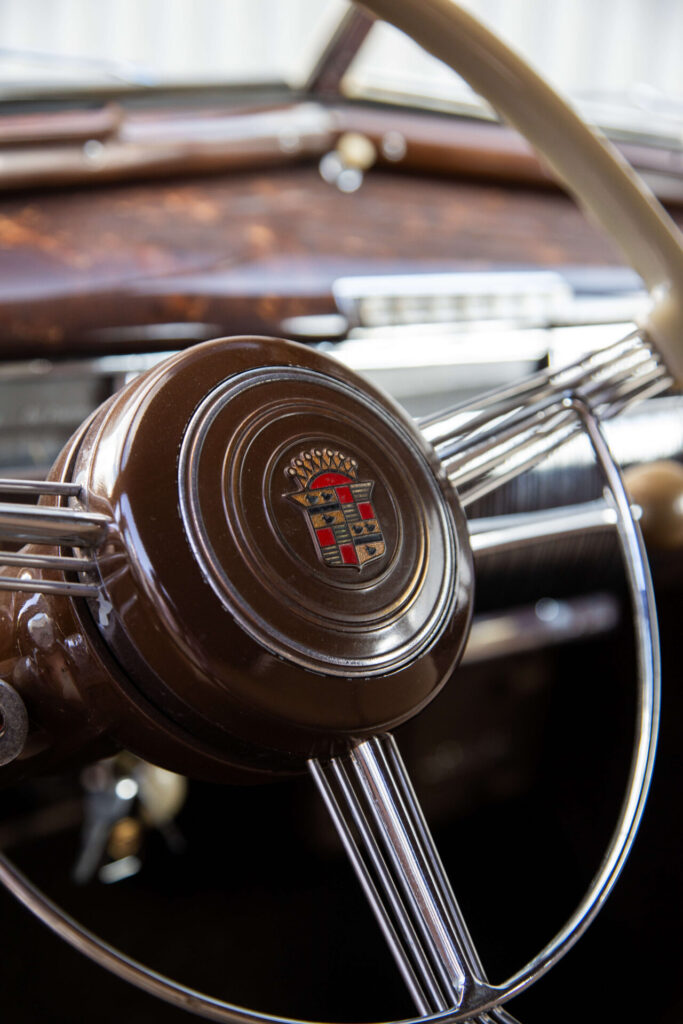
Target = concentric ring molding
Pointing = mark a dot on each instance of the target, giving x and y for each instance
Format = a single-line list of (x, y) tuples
[(341, 619)]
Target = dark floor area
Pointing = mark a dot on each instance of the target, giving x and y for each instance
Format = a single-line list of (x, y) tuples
[(261, 908)]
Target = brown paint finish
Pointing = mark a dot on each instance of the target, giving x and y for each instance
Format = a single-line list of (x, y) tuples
[(47, 656), (439, 143), (249, 660), (255, 652), (75, 125), (50, 148), (241, 252), (204, 136)]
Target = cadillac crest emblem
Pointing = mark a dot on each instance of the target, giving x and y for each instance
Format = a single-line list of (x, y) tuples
[(340, 515)]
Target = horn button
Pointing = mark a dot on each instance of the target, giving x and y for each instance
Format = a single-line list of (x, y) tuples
[(288, 568)]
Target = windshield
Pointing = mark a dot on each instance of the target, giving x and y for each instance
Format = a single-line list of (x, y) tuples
[(82, 44), (619, 62)]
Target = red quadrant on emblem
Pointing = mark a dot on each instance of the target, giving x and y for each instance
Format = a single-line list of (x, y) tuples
[(325, 537), (344, 495), (348, 553), (366, 510)]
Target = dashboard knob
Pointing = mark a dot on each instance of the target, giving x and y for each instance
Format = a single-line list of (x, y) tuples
[(658, 489)]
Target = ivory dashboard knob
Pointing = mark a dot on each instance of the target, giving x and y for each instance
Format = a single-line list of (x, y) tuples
[(658, 489)]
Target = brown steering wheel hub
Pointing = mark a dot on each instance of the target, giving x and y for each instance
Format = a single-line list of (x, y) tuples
[(288, 568)]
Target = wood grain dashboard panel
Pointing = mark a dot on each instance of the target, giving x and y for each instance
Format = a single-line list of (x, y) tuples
[(90, 269)]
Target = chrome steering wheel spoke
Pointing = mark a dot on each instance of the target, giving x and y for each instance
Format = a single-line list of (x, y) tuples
[(371, 801), (44, 528), (486, 443)]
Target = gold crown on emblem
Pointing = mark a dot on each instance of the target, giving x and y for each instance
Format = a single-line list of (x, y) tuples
[(307, 465)]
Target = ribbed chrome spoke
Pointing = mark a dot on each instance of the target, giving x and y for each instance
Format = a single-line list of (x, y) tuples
[(494, 534), (41, 586), (500, 1016), (47, 527), (41, 524), (30, 560), (9, 485), (486, 443), (373, 806)]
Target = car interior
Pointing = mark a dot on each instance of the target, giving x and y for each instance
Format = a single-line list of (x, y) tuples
[(406, 502)]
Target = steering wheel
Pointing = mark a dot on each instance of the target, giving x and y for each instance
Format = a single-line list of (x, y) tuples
[(250, 562)]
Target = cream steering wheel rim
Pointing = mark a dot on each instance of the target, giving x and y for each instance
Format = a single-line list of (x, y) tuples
[(592, 170)]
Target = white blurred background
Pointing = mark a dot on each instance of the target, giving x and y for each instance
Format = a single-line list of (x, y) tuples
[(620, 60)]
